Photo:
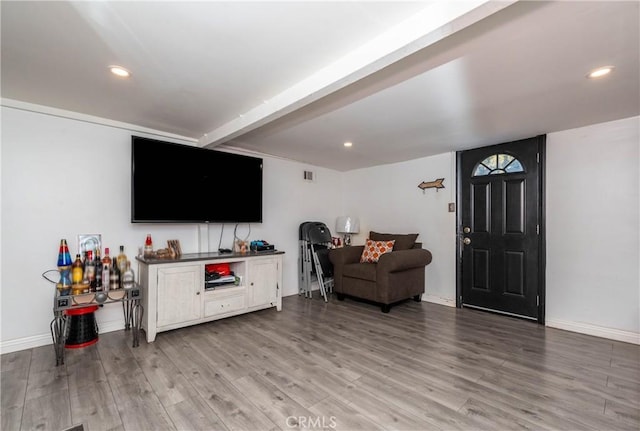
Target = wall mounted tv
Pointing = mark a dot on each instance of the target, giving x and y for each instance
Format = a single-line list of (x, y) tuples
[(176, 183)]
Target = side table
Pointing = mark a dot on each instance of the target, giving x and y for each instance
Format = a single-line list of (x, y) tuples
[(62, 304)]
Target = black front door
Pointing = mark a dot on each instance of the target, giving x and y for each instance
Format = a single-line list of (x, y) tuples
[(499, 228)]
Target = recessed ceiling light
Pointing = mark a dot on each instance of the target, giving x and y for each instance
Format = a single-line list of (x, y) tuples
[(120, 71), (348, 144), (599, 72)]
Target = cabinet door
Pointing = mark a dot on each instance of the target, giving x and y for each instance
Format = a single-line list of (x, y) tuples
[(179, 294), (263, 282)]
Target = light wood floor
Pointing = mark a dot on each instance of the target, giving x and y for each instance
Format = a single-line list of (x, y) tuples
[(335, 366)]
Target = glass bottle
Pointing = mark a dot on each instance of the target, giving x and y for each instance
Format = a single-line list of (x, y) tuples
[(114, 277), (128, 277), (148, 246), (90, 272), (122, 260), (106, 259), (106, 277), (97, 261), (77, 270)]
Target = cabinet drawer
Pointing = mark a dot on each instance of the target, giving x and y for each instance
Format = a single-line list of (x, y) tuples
[(223, 305)]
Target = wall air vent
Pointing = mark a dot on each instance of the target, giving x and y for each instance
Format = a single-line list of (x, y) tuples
[(308, 176)]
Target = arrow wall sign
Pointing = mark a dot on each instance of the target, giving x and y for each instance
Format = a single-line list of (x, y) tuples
[(436, 184)]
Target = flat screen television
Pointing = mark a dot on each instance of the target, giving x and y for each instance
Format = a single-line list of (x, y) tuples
[(176, 183)]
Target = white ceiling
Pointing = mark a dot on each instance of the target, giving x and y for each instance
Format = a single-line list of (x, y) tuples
[(401, 80)]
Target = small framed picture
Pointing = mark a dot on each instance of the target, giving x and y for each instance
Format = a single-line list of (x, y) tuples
[(174, 247), (89, 241)]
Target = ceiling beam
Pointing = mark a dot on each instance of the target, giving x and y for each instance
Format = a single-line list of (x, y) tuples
[(432, 24)]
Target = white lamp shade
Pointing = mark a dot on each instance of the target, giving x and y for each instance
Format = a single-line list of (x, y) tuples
[(347, 224)]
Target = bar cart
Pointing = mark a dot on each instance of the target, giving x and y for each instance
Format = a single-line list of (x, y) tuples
[(66, 308)]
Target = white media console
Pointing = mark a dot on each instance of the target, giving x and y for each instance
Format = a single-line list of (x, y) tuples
[(174, 294)]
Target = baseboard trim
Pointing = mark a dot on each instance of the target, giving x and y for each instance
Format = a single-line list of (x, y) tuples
[(596, 331), (46, 340), (439, 300)]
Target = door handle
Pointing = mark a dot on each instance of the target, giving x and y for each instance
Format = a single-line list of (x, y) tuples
[(466, 241)]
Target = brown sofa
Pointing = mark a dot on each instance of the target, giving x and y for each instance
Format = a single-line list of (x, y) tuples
[(397, 276)]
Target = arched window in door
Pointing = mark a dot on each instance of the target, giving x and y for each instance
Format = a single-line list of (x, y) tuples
[(498, 164)]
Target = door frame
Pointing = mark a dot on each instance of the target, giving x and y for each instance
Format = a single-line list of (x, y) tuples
[(542, 144)]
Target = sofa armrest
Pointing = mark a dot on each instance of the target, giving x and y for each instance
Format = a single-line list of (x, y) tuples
[(345, 255), (401, 260)]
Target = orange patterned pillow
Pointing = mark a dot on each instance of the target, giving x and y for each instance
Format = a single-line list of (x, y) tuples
[(374, 249)]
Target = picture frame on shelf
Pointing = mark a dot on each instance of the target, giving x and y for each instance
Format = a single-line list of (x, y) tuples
[(174, 247), (89, 241)]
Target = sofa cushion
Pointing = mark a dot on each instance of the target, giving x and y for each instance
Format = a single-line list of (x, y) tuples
[(374, 249), (360, 271), (402, 241)]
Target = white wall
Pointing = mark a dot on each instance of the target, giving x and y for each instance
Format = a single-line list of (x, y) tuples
[(593, 229), (63, 177), (387, 199), (593, 232)]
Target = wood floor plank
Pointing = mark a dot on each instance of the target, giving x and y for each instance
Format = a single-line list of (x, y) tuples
[(283, 377), (14, 377), (231, 406), (43, 358), (340, 365), (586, 390), (144, 413), (47, 382), (283, 411), (434, 414), (382, 413), (234, 408), (15, 360), (94, 406), (164, 376), (623, 412), (11, 417), (491, 417), (589, 414), (48, 412), (338, 415), (194, 414), (304, 351), (13, 387), (86, 373), (631, 385)]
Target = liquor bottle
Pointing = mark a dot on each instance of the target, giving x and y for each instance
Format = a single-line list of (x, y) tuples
[(106, 270), (128, 277), (148, 246), (106, 277), (122, 260), (97, 261), (106, 259), (77, 271), (114, 277), (90, 272)]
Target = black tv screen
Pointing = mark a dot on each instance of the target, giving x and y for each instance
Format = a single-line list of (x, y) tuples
[(176, 183)]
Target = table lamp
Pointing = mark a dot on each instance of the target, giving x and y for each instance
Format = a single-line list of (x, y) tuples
[(347, 225)]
